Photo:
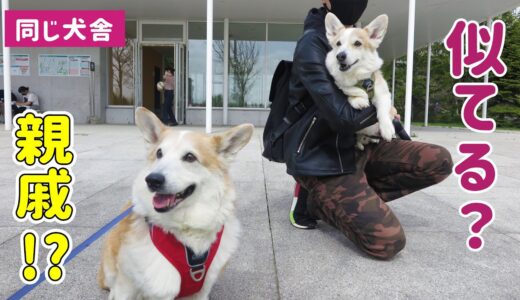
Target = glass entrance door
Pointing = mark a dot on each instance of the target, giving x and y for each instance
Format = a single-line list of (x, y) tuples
[(155, 59), (180, 76), (161, 46)]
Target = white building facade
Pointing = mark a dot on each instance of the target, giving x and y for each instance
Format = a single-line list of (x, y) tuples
[(245, 55), (249, 39)]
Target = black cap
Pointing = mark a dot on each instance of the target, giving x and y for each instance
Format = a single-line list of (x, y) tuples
[(348, 11)]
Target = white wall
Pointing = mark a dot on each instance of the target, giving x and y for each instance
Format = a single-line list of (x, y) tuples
[(62, 93), (120, 115)]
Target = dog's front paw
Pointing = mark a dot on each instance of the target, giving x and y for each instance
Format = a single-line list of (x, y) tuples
[(362, 140), (359, 102), (387, 130)]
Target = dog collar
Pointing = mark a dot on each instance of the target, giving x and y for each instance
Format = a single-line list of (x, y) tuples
[(192, 268), (367, 85)]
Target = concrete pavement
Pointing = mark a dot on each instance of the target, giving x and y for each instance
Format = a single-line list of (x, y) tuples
[(275, 260)]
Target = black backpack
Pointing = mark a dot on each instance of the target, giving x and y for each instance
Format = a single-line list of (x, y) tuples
[(282, 116)]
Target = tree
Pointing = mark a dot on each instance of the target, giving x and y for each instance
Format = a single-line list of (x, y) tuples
[(243, 57), (509, 85), (123, 71), (444, 105)]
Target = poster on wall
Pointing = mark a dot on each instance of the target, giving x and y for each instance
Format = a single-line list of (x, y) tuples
[(20, 65), (79, 65), (64, 65)]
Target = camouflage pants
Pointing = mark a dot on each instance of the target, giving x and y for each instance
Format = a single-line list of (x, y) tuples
[(356, 203)]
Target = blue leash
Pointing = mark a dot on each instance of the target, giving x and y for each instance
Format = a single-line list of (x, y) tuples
[(28, 288)]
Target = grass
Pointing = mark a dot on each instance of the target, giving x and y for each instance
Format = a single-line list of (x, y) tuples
[(457, 125), (440, 124)]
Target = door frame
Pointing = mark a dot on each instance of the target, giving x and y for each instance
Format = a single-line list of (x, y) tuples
[(163, 22), (177, 44), (180, 81)]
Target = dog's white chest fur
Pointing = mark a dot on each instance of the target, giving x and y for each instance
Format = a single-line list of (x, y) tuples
[(151, 276), (147, 267)]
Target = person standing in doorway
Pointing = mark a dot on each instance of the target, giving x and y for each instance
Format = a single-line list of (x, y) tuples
[(169, 92)]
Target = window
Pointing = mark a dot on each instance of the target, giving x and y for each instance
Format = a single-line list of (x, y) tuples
[(247, 64), (121, 71), (197, 64), (281, 43), (162, 32), (255, 49)]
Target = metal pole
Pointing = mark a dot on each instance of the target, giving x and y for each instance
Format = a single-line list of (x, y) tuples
[(428, 69), (177, 68), (6, 51), (486, 78), (91, 97), (409, 67), (226, 72), (393, 82), (209, 66), (92, 93), (265, 93)]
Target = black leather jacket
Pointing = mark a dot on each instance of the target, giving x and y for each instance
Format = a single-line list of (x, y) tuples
[(321, 143)]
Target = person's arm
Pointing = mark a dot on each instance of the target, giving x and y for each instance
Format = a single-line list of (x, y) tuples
[(31, 99), (330, 100), (25, 103)]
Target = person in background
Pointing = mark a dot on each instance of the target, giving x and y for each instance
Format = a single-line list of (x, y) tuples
[(29, 101), (169, 92), (13, 98)]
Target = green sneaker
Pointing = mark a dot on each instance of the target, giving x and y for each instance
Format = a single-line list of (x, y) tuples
[(298, 215)]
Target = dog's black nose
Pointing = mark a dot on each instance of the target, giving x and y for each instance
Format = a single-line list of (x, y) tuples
[(342, 56), (155, 181)]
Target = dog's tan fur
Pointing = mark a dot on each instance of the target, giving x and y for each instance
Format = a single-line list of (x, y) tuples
[(361, 34), (113, 244)]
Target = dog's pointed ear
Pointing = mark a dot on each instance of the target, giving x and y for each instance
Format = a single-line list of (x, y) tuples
[(333, 26), (377, 29), (150, 126), (233, 140)]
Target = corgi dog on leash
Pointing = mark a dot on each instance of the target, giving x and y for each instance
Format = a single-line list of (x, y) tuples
[(182, 229), (353, 60)]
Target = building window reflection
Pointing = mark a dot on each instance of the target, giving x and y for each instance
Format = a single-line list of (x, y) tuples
[(197, 64), (281, 43), (246, 64), (255, 49), (122, 69)]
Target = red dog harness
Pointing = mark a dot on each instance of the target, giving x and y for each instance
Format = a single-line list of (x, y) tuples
[(191, 267)]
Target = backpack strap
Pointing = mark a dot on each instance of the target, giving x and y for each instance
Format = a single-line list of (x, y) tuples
[(294, 113)]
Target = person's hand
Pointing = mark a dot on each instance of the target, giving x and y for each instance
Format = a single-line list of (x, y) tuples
[(394, 113)]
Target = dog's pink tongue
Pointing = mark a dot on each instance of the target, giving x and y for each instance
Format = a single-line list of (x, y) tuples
[(161, 201)]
